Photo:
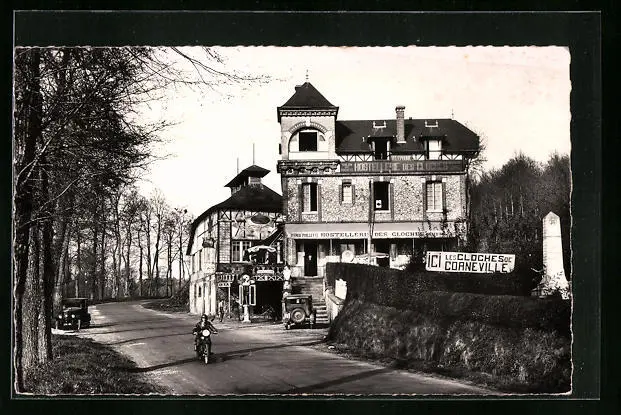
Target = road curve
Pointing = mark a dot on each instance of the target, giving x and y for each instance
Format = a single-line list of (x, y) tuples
[(254, 359)]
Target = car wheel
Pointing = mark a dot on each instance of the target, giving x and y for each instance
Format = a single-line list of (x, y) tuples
[(287, 327), (206, 358), (298, 315)]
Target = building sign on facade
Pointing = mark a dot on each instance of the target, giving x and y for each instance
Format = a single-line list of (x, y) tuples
[(396, 166), (469, 262), (435, 233)]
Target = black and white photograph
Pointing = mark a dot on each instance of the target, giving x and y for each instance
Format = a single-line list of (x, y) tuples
[(262, 220)]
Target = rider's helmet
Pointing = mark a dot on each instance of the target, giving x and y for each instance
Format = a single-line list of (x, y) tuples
[(204, 317)]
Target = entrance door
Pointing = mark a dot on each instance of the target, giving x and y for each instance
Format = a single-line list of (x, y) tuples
[(310, 259)]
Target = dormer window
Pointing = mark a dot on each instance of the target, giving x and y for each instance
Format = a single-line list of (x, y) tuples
[(308, 141), (381, 148), (433, 148)]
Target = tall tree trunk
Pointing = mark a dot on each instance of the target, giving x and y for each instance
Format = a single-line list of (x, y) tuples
[(127, 255), (78, 260), (102, 263), (93, 277), (169, 264), (45, 336), (23, 204), (32, 302), (140, 264), (60, 275), (149, 270)]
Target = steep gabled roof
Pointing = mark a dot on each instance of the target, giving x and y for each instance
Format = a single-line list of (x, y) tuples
[(352, 136), (307, 96), (256, 197), (252, 171)]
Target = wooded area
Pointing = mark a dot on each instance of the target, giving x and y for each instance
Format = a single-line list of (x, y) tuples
[(81, 227), (508, 205)]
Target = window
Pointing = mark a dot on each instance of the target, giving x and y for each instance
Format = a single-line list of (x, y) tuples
[(199, 290), (380, 195), (200, 259), (309, 196), (308, 141), (279, 253), (433, 149), (237, 250), (434, 196), (193, 263), (381, 149), (347, 193)]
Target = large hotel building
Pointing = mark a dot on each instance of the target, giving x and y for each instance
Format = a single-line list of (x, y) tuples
[(379, 192), (371, 191)]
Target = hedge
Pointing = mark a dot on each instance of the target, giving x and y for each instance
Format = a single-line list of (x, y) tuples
[(428, 294), (510, 358), (361, 275), (499, 310)]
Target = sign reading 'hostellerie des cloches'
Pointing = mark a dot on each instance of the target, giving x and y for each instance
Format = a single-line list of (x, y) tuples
[(469, 262)]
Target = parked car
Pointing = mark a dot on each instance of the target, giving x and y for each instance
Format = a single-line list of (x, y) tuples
[(74, 314), (298, 311)]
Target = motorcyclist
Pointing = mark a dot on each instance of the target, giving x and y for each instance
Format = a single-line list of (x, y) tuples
[(203, 324)]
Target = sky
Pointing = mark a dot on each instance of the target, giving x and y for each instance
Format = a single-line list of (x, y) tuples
[(515, 98)]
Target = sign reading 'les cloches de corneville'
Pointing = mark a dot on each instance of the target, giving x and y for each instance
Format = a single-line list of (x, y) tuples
[(469, 262)]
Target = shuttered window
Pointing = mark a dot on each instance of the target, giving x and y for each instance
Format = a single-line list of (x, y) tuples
[(347, 192), (434, 196), (309, 196)]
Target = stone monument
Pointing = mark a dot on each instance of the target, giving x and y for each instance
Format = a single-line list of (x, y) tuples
[(553, 272)]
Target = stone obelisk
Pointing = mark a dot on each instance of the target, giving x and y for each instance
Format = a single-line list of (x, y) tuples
[(553, 272)]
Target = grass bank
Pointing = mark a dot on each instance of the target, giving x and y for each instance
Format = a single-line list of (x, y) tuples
[(81, 366), (510, 359)]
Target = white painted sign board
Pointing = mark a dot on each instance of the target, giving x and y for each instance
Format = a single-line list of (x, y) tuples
[(482, 263)]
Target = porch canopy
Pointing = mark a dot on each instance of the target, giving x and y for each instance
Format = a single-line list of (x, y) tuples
[(385, 230)]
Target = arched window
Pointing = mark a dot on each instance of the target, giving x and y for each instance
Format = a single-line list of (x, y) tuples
[(307, 139)]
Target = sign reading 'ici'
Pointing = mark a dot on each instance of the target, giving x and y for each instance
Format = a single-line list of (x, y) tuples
[(469, 262)]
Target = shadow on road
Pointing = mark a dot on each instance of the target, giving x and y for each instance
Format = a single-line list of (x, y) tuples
[(218, 357), (334, 382), (151, 326), (184, 333)]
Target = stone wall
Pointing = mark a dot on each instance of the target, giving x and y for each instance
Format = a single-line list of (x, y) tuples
[(407, 202), (324, 124)]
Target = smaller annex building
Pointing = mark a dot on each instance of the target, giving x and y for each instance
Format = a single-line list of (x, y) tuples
[(240, 236)]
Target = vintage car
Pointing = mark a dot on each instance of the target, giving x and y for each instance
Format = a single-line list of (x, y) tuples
[(74, 314), (298, 310)]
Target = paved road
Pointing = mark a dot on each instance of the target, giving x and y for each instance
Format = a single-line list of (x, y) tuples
[(252, 359)]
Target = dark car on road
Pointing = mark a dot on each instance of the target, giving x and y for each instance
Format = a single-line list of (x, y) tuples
[(74, 314), (298, 310)]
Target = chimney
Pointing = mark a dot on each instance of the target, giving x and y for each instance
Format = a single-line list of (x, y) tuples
[(400, 124)]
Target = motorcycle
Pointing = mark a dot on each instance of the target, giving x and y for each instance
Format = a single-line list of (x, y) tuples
[(202, 347)]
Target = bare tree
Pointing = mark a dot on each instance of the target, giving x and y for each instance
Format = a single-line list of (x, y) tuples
[(76, 128)]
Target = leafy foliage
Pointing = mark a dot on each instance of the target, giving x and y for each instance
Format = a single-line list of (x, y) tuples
[(509, 204)]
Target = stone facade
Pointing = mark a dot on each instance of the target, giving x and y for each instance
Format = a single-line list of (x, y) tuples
[(387, 228)]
